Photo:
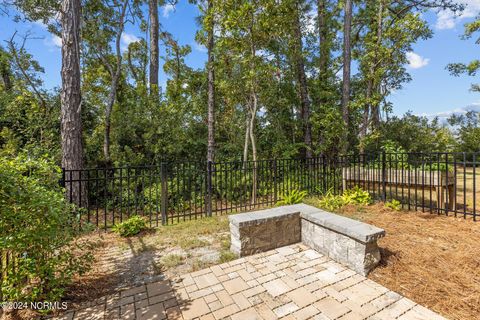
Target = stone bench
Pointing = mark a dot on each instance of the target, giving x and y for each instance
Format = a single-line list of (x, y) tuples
[(264, 230), (347, 241)]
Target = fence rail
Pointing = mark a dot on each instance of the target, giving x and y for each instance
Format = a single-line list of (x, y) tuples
[(435, 182)]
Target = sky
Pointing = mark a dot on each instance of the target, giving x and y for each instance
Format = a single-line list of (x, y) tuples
[(432, 92)]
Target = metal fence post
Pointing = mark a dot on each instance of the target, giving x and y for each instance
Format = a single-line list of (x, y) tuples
[(275, 189), (209, 189), (164, 192), (384, 176), (447, 186), (62, 179)]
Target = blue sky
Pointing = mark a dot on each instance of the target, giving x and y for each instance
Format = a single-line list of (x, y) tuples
[(431, 92)]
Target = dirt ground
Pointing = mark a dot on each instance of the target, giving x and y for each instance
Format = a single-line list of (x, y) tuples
[(159, 253), (433, 260)]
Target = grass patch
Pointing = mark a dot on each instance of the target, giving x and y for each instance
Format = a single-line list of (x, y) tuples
[(226, 256), (198, 264), (225, 242), (186, 234), (204, 226), (191, 243), (172, 260)]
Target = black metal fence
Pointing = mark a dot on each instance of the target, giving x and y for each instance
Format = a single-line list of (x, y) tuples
[(435, 182)]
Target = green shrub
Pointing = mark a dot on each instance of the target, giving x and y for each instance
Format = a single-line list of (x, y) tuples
[(356, 196), (394, 205), (352, 196), (38, 228), (331, 201), (292, 197), (130, 227)]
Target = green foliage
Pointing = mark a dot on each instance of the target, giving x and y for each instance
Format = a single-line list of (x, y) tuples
[(292, 197), (395, 155), (331, 201), (130, 227), (38, 228), (394, 205), (471, 68), (226, 256), (411, 133), (355, 196)]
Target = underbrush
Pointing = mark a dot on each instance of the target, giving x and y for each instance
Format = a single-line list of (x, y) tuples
[(38, 232), (130, 227), (332, 202)]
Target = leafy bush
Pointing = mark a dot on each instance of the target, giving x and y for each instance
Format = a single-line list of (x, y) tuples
[(442, 167), (394, 205), (38, 228), (356, 196), (331, 201), (292, 197), (130, 227), (352, 196)]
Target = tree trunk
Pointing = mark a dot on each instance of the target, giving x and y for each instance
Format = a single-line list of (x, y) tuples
[(302, 86), (365, 116), (71, 99), (5, 73), (115, 74), (211, 88), (375, 108), (347, 57), (253, 112), (247, 139), (253, 106), (323, 43), (154, 49)]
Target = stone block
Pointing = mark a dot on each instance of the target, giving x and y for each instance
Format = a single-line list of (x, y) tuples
[(264, 230), (350, 242)]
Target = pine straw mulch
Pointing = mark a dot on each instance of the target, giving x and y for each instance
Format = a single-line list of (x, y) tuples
[(433, 260)]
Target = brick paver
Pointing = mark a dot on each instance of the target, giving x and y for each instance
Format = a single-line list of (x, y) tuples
[(292, 282)]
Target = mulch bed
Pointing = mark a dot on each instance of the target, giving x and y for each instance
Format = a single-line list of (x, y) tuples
[(433, 260)]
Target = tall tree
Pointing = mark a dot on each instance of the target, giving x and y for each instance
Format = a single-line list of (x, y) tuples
[(347, 59), (301, 78), (211, 82), (154, 48), (99, 36), (71, 99)]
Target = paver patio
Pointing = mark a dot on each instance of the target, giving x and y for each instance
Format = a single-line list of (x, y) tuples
[(292, 282)]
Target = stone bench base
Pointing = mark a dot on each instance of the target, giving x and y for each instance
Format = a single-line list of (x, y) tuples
[(357, 255), (347, 241), (264, 230)]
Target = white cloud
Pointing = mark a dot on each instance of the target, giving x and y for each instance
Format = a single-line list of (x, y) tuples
[(167, 9), (447, 20), (53, 43), (458, 111), (199, 47), (416, 61), (128, 38), (57, 41)]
